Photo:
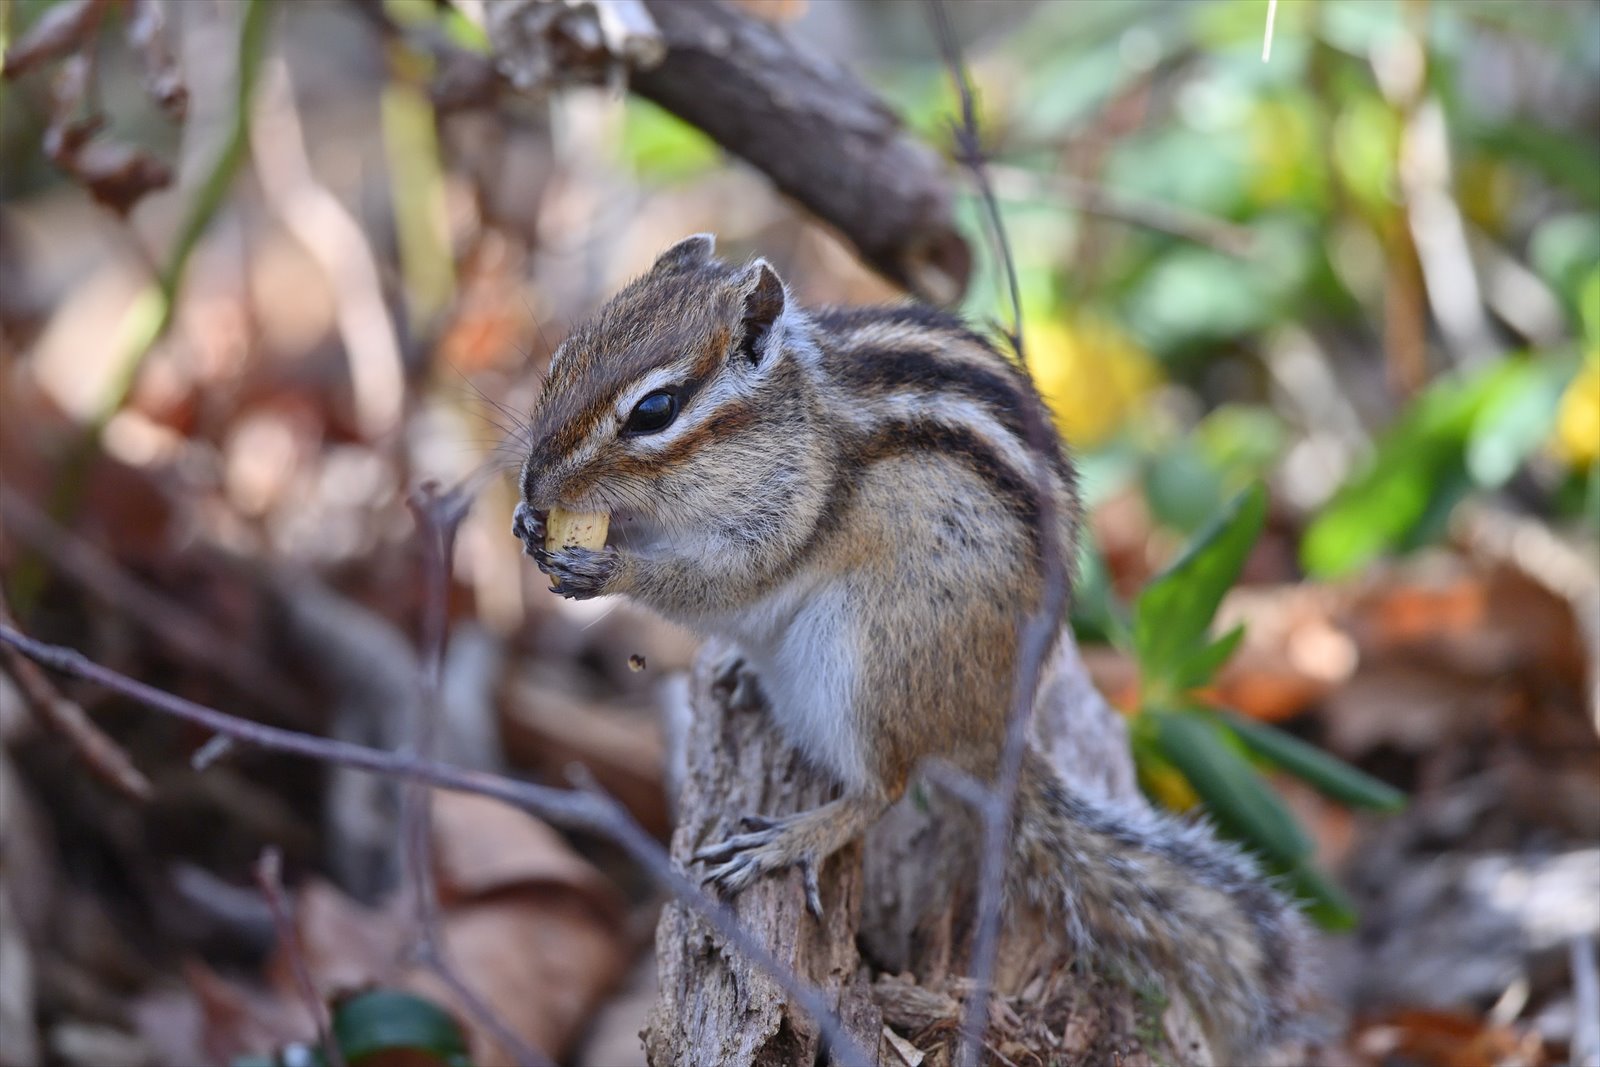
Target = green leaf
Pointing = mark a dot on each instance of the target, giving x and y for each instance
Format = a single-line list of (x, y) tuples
[(1243, 441), (1327, 773), (1245, 806), (1174, 612), (1198, 668), (1561, 158), (1098, 614), (1516, 422), (1589, 308), (1182, 486), (384, 1020), (1416, 473)]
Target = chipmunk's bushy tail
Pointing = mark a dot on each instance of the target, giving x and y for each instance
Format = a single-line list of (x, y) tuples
[(1168, 895)]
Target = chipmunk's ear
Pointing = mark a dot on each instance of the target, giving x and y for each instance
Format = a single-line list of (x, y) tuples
[(688, 252), (763, 301)]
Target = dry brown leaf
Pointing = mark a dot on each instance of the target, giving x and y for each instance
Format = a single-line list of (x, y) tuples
[(346, 946), (529, 924), (1264, 684), (774, 11), (484, 846), (1446, 1039), (547, 729), (542, 960)]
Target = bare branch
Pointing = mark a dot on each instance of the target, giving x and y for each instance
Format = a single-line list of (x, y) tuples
[(439, 517), (107, 759), (818, 133), (150, 40), (326, 228), (1040, 632), (269, 876)]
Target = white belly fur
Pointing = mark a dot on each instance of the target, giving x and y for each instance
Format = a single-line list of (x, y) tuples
[(804, 656)]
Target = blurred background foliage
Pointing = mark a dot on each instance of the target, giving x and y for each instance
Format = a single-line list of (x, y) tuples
[(1364, 275), (1369, 268)]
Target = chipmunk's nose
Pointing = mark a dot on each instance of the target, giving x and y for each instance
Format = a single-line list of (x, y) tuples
[(539, 482)]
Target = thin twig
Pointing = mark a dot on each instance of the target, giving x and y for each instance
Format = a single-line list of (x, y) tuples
[(1266, 40), (1040, 632), (269, 876), (1226, 237), (107, 759), (1585, 1003), (598, 814), (439, 516), (210, 752)]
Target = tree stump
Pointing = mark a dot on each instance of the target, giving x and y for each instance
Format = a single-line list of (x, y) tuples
[(891, 950)]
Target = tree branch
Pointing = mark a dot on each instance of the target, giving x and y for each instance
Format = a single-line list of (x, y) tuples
[(822, 136)]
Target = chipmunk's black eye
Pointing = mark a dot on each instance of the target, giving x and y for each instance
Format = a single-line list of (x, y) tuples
[(652, 414)]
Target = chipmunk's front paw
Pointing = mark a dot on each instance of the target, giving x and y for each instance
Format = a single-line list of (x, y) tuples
[(767, 845), (580, 573), (527, 526)]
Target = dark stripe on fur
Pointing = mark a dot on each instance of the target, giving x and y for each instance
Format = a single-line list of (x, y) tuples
[(913, 363), (900, 437), (918, 316)]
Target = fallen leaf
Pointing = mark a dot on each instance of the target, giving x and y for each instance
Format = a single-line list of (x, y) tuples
[(546, 728), (484, 846), (1446, 1039)]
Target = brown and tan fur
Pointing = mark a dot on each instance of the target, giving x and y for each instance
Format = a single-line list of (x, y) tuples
[(849, 496)]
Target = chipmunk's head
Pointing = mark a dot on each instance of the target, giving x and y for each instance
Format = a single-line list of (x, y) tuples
[(676, 402)]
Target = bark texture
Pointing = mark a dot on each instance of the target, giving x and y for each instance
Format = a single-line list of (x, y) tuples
[(822, 136), (891, 950)]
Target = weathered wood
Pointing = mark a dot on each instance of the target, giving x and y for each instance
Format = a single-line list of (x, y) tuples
[(714, 1007), (891, 950)]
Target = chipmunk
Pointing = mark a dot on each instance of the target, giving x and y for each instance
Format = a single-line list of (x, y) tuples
[(849, 496)]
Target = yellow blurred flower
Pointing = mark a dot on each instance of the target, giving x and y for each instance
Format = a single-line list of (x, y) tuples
[(1577, 436), (1092, 374), (1167, 785)]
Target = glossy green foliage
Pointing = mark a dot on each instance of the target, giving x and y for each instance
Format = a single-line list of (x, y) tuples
[(381, 1026), (1217, 754)]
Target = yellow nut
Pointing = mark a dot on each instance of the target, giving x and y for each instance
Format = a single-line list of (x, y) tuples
[(574, 529)]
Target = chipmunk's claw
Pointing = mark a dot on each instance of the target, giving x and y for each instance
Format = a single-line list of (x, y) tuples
[(527, 526), (808, 872), (580, 573), (736, 683), (743, 858)]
